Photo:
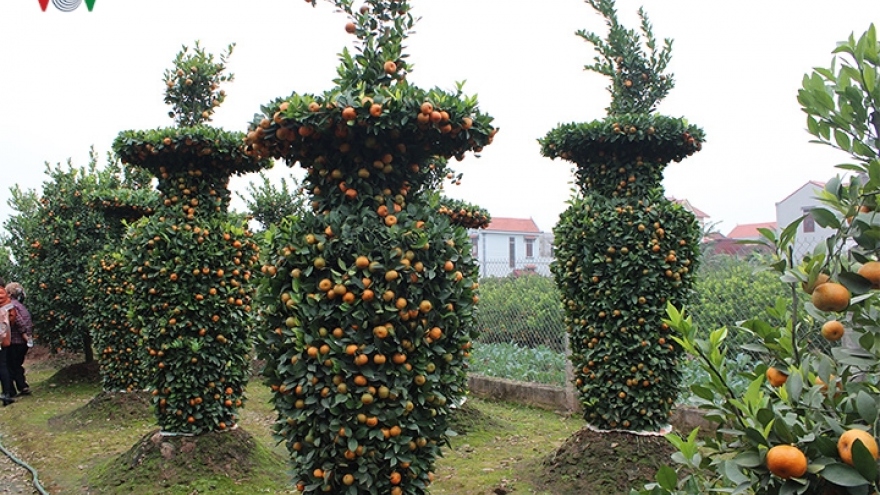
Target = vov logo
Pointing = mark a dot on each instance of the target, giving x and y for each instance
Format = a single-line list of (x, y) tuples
[(67, 5)]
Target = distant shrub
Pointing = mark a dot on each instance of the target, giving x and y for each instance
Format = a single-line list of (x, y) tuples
[(523, 310), (731, 289)]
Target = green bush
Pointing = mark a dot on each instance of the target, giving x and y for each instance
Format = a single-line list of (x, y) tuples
[(53, 235), (524, 310), (731, 289), (623, 250)]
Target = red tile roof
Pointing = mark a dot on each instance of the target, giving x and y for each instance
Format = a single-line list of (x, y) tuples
[(501, 224), (750, 230), (732, 247)]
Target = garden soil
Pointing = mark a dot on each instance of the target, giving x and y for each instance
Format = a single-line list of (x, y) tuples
[(591, 462)]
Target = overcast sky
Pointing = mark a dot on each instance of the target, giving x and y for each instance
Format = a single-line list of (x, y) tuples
[(71, 80)]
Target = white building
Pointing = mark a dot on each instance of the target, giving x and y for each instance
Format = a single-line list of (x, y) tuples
[(512, 246), (796, 205)]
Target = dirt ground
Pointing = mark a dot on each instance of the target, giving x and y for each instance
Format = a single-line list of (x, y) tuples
[(606, 463)]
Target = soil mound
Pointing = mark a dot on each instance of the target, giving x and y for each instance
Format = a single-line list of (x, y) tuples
[(466, 418), (606, 462), (75, 374), (163, 461), (107, 408)]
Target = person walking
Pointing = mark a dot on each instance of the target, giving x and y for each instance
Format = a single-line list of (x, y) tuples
[(7, 311), (22, 340)]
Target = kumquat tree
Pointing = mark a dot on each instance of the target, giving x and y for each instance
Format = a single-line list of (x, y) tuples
[(190, 262), (369, 297), (807, 423), (53, 236), (109, 290), (624, 251)]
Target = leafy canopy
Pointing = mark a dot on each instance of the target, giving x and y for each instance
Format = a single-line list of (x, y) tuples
[(637, 80), (193, 85)]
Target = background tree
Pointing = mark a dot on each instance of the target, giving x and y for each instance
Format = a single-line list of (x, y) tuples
[(624, 251), (369, 297), (190, 262), (53, 234), (268, 204), (8, 266)]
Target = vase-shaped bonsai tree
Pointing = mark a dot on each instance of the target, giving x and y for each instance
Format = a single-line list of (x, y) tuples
[(623, 250), (120, 349), (369, 297), (189, 263)]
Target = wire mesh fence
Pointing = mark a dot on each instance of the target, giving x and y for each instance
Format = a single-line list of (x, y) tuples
[(520, 316)]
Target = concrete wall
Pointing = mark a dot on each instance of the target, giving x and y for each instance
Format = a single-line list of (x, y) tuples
[(563, 400)]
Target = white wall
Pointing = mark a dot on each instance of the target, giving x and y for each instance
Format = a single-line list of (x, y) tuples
[(792, 208)]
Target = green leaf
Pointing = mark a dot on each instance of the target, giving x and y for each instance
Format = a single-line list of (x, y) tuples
[(866, 405), (864, 461), (825, 218), (863, 150), (842, 139), (856, 283), (812, 125), (755, 436), (870, 76), (748, 460), (843, 475), (795, 385), (667, 478), (733, 472), (782, 430)]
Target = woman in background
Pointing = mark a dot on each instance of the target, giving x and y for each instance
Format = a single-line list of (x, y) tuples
[(22, 339), (7, 311)]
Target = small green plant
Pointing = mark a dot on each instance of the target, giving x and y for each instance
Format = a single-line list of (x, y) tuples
[(268, 204), (806, 424)]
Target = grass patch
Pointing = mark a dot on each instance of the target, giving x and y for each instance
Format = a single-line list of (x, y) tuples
[(500, 438)]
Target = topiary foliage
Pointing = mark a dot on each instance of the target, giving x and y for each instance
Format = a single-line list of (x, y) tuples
[(119, 347), (465, 214), (189, 263), (623, 250), (370, 297)]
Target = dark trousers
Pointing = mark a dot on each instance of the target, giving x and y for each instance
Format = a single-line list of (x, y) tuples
[(15, 355), (5, 377)]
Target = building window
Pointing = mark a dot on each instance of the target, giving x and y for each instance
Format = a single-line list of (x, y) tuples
[(809, 222), (512, 263), (530, 248), (475, 247)]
